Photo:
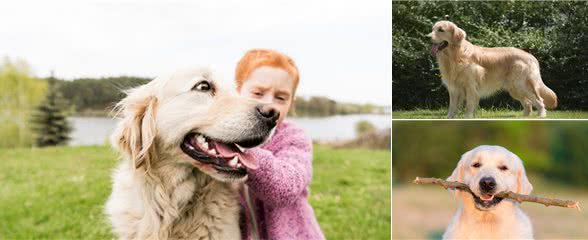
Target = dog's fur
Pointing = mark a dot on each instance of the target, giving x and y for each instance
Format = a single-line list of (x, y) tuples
[(159, 192), (504, 220), (471, 72)]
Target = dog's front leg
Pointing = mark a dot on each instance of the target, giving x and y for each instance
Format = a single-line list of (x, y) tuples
[(454, 102), (472, 101)]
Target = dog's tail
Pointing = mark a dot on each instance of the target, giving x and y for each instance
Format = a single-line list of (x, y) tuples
[(549, 97)]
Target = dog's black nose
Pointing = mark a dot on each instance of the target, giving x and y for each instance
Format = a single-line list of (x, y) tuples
[(268, 114), (487, 184)]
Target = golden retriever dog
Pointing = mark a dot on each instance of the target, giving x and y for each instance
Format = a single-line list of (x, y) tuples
[(488, 170), (183, 139), (471, 72)]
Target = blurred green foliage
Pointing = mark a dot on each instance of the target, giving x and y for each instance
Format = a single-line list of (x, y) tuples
[(555, 149), (364, 126), (554, 32), (323, 106), (20, 92), (97, 94)]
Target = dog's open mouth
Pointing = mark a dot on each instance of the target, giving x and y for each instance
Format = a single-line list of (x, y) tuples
[(224, 157), (437, 47), (486, 201)]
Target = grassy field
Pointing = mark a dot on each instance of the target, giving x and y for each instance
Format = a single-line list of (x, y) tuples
[(59, 193), (423, 212), (487, 113)]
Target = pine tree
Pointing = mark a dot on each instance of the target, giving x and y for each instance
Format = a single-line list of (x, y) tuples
[(49, 120)]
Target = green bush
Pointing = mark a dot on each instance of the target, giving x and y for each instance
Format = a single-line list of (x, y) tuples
[(362, 127)]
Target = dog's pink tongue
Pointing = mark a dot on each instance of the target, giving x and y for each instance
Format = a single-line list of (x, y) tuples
[(230, 152), (434, 49), (487, 197), (248, 160)]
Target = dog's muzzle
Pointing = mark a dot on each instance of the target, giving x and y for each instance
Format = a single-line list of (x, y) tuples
[(486, 200)]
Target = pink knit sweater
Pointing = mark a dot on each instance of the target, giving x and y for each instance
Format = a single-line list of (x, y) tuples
[(277, 195)]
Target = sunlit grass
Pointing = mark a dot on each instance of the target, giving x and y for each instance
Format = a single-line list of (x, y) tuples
[(59, 193)]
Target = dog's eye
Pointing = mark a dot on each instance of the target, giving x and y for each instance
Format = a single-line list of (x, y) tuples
[(503, 168), (440, 30), (477, 165), (202, 86)]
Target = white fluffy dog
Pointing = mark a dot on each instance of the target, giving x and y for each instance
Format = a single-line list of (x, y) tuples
[(488, 170), (182, 138)]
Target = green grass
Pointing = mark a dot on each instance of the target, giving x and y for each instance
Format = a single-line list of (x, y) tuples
[(350, 193), (54, 192), (487, 113), (59, 193)]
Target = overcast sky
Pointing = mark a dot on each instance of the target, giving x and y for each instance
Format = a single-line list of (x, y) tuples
[(342, 48)]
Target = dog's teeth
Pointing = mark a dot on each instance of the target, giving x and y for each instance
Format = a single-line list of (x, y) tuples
[(239, 165), (234, 161), (200, 139), (212, 151), (240, 148), (205, 145)]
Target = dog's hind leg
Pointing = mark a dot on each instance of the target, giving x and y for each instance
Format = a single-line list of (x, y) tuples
[(527, 107), (538, 103), (534, 95), (525, 102)]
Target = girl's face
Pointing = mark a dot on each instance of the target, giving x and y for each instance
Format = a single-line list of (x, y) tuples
[(270, 85)]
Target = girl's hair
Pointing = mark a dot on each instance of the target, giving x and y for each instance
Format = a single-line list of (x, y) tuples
[(255, 58)]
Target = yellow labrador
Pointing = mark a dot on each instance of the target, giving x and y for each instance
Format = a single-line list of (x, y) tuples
[(488, 170), (471, 72)]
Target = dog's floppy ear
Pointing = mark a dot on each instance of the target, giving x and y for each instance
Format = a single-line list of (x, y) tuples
[(523, 184), (457, 175), (458, 34), (135, 133)]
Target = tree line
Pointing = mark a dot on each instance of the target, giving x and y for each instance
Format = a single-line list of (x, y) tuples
[(553, 31), (98, 95)]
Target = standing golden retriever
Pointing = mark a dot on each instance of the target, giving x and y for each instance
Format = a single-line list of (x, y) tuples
[(471, 72), (488, 170), (182, 138)]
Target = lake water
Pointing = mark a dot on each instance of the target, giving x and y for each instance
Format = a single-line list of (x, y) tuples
[(95, 130)]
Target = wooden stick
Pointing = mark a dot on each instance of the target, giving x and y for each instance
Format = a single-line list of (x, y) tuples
[(508, 194)]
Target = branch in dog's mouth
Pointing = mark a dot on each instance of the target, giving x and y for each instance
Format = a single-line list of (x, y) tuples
[(223, 156), (510, 195)]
